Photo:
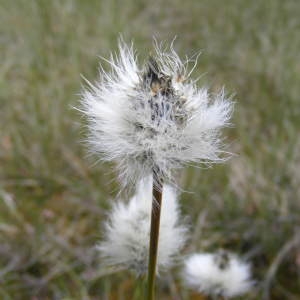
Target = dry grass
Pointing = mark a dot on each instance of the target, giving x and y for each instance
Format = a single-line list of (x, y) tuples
[(51, 198)]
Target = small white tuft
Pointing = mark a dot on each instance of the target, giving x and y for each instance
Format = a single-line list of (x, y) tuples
[(221, 274), (127, 231), (154, 117)]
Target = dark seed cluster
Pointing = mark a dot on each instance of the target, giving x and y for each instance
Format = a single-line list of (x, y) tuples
[(163, 100)]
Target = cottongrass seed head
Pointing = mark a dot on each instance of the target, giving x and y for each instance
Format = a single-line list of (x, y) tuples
[(153, 118), (221, 274), (127, 231)]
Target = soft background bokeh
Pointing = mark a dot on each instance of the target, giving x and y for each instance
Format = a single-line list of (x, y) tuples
[(52, 197)]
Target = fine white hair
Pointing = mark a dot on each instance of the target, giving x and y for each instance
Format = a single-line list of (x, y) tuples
[(220, 274), (127, 231), (153, 117)]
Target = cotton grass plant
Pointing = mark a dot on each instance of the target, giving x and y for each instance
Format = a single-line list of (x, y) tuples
[(127, 231), (151, 119), (219, 275)]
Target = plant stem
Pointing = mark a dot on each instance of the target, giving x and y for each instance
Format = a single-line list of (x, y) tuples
[(154, 234)]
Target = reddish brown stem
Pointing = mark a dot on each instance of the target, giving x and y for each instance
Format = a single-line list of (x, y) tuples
[(154, 234)]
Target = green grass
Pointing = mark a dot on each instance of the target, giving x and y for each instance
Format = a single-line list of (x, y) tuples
[(52, 198)]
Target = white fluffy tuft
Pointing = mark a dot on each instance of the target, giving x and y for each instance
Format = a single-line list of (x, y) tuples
[(153, 118), (221, 274), (127, 231)]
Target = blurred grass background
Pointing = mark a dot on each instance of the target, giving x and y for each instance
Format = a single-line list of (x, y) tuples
[(52, 200)]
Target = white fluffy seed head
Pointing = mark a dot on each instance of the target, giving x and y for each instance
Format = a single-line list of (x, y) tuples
[(127, 231), (222, 274), (154, 117)]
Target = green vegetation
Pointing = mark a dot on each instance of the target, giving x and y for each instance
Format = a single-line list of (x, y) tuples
[(53, 198)]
